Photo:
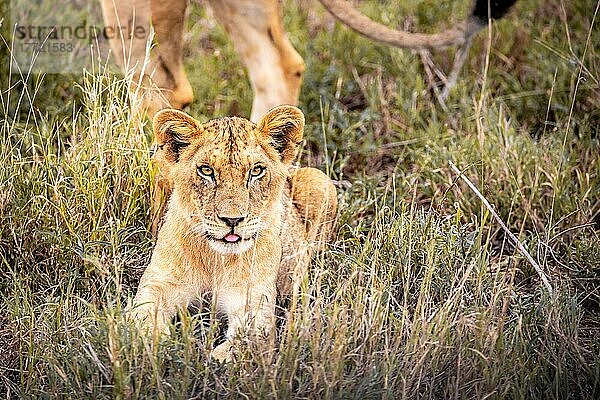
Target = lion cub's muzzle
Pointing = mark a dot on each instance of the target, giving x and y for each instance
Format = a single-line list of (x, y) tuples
[(231, 222), (231, 235)]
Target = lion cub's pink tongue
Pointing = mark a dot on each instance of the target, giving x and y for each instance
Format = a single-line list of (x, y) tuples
[(232, 238)]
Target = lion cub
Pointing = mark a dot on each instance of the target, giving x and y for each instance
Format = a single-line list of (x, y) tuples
[(240, 221)]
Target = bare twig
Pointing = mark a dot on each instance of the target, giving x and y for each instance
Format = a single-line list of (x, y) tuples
[(573, 228), (427, 64), (459, 60), (516, 241)]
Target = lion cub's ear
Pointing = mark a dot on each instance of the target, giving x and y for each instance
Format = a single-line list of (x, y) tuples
[(284, 127), (174, 130)]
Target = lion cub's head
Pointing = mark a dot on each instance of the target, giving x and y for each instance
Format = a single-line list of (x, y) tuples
[(228, 174)]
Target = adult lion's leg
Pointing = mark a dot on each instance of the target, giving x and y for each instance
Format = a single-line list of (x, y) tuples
[(315, 197), (274, 66), (162, 80), (168, 19)]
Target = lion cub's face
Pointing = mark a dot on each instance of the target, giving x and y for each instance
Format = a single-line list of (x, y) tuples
[(228, 174)]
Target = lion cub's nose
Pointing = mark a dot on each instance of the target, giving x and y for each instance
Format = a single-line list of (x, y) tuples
[(231, 222)]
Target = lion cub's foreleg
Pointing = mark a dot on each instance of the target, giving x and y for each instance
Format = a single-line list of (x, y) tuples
[(249, 310), (247, 293), (158, 298)]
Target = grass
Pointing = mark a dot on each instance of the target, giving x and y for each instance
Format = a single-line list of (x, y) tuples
[(421, 295)]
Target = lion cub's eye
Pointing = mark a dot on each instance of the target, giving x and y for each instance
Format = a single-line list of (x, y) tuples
[(206, 172), (257, 172)]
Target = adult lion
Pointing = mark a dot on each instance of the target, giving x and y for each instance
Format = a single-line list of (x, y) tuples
[(274, 67)]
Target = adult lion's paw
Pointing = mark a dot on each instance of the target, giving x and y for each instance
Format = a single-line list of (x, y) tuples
[(223, 352)]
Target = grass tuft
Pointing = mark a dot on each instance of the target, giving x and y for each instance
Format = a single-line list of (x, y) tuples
[(420, 295)]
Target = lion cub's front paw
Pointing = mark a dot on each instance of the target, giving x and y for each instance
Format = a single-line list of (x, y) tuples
[(145, 321), (223, 352)]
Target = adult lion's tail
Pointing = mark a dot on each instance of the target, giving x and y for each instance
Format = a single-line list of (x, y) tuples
[(457, 35)]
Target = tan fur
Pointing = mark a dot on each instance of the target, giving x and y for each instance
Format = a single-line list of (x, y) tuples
[(274, 67), (457, 35), (285, 212)]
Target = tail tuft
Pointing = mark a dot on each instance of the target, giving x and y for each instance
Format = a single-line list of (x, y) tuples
[(497, 9)]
